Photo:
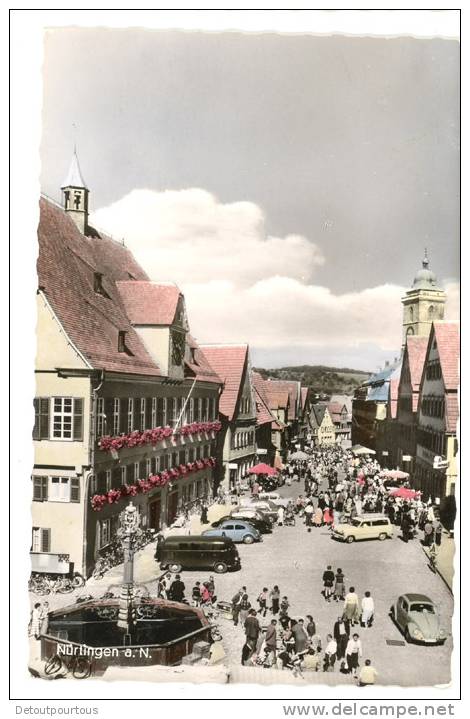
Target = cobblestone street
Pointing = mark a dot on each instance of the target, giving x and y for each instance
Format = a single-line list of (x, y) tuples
[(295, 559)]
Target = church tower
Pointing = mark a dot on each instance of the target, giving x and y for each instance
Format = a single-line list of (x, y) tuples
[(423, 303), (75, 195)]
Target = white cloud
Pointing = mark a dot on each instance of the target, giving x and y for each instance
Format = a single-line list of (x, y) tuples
[(241, 285), (188, 234)]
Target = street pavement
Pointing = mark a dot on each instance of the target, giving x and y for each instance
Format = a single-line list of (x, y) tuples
[(295, 559)]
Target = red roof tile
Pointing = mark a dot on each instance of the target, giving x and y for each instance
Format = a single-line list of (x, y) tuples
[(277, 398), (448, 346), (416, 348), (452, 412), (263, 414), (66, 266), (199, 367), (304, 392), (149, 303), (292, 387), (229, 362)]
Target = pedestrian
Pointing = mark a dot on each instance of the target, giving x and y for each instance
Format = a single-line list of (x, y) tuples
[(204, 519), (318, 517), (236, 601), (176, 591), (206, 596), (310, 627), (270, 638), (311, 660), (211, 586), (263, 601), (428, 533), (309, 515), (244, 607), (35, 621), (300, 636), (330, 654), (367, 674), (438, 533), (367, 606), (196, 594), (158, 546), (280, 516), (275, 596), (339, 585), (246, 653), (351, 606), (341, 631), (328, 580), (165, 585), (284, 607), (353, 652), (252, 629), (328, 517)]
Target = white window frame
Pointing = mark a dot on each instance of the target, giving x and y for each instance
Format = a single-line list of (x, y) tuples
[(100, 417), (105, 530), (37, 540), (191, 410), (157, 464), (154, 412), (137, 471), (116, 415), (165, 418), (63, 416), (123, 474), (148, 464), (130, 415), (142, 412), (63, 493)]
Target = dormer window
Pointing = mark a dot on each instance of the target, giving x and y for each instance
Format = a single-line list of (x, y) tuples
[(98, 284), (122, 347)]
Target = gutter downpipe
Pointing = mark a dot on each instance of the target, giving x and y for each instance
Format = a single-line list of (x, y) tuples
[(88, 474)]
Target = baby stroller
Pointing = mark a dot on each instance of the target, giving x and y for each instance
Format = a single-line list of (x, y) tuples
[(289, 519)]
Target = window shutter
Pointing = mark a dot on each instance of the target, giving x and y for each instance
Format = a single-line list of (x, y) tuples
[(40, 489), (116, 477), (78, 419), (131, 474), (148, 413), (142, 469), (136, 422), (108, 410), (45, 540), (75, 489), (101, 483), (36, 431), (44, 418)]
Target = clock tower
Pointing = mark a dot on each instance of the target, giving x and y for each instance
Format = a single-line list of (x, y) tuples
[(423, 303)]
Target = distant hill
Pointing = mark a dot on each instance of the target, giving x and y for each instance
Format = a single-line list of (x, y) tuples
[(320, 379)]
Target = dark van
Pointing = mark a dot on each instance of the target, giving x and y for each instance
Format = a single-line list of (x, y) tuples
[(195, 552)]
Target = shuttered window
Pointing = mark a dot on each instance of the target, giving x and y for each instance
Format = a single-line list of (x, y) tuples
[(74, 489), (100, 418), (142, 423), (130, 414), (41, 418), (153, 419), (40, 489), (116, 416), (67, 418), (78, 419), (160, 420), (41, 540)]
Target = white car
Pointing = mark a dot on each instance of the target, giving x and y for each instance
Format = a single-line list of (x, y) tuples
[(273, 497)]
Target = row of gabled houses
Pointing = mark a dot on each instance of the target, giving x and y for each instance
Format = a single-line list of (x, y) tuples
[(128, 404), (408, 412)]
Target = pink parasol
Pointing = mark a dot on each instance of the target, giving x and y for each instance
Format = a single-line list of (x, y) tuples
[(404, 493), (394, 474), (262, 469)]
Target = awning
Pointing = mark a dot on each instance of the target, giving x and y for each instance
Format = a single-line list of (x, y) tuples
[(232, 465)]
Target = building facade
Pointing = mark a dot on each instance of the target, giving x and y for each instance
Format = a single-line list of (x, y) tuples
[(126, 404), (323, 429), (436, 442)]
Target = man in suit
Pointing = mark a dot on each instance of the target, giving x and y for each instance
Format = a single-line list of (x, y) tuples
[(270, 638), (341, 632), (252, 629)]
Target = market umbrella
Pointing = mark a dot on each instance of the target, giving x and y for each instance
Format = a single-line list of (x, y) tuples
[(394, 474), (298, 455), (262, 469), (404, 493), (359, 449)]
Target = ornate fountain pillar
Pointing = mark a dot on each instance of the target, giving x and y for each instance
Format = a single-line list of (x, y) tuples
[(128, 533)]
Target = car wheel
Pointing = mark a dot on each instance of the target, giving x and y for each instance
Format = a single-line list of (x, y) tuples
[(174, 568), (248, 539), (220, 568), (382, 536), (350, 539)]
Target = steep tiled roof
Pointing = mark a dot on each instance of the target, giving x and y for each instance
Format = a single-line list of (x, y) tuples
[(416, 347), (263, 414), (229, 362), (319, 411), (452, 412), (303, 396), (448, 346), (66, 267), (277, 398), (393, 391), (149, 303), (335, 409), (292, 387), (198, 367)]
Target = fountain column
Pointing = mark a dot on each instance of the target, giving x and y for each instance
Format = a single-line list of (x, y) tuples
[(128, 532)]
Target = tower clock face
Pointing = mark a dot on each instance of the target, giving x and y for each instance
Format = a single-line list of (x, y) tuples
[(177, 347)]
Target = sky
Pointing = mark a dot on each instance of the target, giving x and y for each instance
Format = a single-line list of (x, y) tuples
[(287, 184)]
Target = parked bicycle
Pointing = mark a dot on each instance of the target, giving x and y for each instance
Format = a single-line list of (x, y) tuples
[(79, 667), (43, 584)]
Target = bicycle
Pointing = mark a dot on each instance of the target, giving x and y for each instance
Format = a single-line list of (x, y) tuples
[(80, 667)]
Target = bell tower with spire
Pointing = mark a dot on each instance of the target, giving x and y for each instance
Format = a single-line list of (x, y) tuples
[(75, 195), (423, 303)]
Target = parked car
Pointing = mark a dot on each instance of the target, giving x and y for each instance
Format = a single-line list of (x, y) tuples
[(265, 506), (262, 525), (417, 617), (179, 552), (274, 498), (364, 526), (243, 511), (236, 530)]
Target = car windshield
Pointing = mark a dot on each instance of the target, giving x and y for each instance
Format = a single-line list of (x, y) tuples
[(356, 522), (422, 607)]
